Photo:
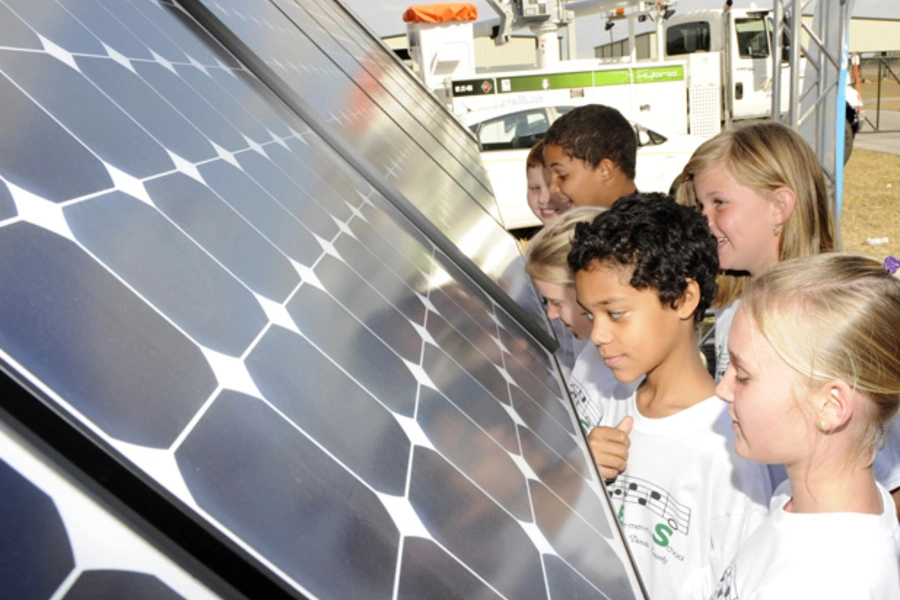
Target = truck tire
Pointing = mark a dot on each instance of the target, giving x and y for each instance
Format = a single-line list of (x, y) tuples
[(848, 140)]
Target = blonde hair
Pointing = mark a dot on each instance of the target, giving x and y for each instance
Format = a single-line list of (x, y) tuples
[(835, 316), (547, 253), (763, 157)]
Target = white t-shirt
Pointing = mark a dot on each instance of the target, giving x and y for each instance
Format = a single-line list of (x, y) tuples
[(826, 556), (590, 383), (724, 317), (686, 501), (887, 461)]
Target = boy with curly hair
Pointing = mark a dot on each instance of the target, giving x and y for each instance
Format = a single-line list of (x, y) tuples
[(645, 272), (591, 152)]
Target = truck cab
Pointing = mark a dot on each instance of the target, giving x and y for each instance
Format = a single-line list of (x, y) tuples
[(742, 39)]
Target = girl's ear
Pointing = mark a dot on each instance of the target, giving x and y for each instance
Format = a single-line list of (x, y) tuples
[(783, 203), (687, 304), (834, 402)]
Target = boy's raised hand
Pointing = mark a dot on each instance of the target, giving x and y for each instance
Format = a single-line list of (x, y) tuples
[(609, 447)]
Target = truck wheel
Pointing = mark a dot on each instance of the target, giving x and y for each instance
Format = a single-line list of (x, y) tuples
[(848, 140)]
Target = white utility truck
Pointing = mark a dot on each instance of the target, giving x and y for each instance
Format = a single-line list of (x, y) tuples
[(713, 67)]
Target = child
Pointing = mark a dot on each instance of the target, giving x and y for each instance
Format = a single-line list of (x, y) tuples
[(542, 203), (546, 263), (645, 273), (763, 192), (591, 152), (814, 380)]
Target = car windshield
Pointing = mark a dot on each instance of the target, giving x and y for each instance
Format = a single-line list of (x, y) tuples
[(518, 130), (648, 137), (523, 129)]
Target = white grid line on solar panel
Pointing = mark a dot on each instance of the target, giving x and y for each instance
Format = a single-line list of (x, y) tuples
[(33, 208), (401, 512)]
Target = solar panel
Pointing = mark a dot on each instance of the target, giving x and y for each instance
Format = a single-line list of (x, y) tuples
[(234, 322)]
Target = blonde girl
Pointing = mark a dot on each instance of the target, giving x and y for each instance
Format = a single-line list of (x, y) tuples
[(545, 261), (763, 193), (813, 383)]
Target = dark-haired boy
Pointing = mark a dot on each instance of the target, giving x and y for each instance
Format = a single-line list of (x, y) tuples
[(645, 273), (591, 153)]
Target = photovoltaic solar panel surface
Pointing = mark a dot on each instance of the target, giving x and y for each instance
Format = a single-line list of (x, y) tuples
[(203, 287)]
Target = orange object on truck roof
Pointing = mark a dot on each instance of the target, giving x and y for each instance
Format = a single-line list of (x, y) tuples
[(441, 13)]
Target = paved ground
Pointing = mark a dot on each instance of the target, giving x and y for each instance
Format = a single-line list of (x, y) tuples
[(886, 139)]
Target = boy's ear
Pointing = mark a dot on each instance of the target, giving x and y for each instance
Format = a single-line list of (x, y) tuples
[(834, 403), (606, 169), (784, 201), (687, 304)]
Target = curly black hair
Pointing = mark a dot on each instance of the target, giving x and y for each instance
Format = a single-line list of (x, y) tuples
[(665, 243), (594, 132)]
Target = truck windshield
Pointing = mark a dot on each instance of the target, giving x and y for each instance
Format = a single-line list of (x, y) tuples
[(752, 38), (687, 38)]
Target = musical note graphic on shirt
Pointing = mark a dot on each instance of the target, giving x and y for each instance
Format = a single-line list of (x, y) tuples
[(653, 497)]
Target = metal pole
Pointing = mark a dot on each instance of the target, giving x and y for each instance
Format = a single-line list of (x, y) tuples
[(878, 101), (777, 29), (794, 105)]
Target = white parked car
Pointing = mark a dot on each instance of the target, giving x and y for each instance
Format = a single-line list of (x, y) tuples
[(506, 134)]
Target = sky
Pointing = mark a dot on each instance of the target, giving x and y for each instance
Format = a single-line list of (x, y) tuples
[(387, 18)]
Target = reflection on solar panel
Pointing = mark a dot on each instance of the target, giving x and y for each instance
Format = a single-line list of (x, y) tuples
[(240, 315), (370, 113)]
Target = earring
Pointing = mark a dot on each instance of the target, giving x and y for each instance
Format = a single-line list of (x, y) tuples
[(821, 425), (776, 229)]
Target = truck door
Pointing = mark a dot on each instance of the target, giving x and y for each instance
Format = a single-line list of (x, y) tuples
[(751, 66)]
